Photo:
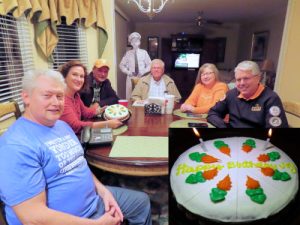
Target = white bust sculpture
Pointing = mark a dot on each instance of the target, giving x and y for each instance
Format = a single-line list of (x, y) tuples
[(135, 63)]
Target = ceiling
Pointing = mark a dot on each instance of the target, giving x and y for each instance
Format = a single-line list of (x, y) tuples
[(226, 11)]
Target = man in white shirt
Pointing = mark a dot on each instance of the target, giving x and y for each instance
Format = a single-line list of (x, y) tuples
[(156, 84), (135, 63)]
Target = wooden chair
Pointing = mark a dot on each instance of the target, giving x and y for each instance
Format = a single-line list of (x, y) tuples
[(9, 112), (292, 111), (2, 214)]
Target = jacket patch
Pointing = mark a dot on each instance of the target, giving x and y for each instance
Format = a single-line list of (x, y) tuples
[(275, 111), (256, 108), (275, 121)]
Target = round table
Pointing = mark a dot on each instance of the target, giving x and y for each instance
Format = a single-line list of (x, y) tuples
[(138, 125)]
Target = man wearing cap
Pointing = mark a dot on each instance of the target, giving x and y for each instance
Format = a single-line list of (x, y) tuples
[(250, 104), (135, 63), (98, 88)]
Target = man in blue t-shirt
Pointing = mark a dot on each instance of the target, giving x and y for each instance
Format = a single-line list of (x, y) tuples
[(44, 177)]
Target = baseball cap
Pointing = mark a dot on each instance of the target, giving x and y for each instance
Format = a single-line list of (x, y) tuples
[(101, 63)]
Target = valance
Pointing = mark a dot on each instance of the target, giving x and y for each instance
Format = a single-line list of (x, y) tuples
[(46, 15)]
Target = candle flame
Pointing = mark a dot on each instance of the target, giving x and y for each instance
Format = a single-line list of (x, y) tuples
[(270, 133), (196, 132)]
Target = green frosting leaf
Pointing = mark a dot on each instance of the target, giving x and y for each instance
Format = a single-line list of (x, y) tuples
[(196, 156), (260, 199), (252, 192), (250, 142), (195, 178), (257, 195), (191, 179), (219, 144), (284, 176), (217, 195), (199, 177), (273, 156), (276, 175)]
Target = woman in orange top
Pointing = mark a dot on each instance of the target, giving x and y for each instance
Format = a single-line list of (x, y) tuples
[(207, 91)]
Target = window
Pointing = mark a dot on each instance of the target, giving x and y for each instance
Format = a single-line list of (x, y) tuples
[(15, 56), (71, 45)]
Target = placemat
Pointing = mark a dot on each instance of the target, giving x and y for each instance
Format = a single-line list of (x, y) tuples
[(140, 146), (177, 112), (120, 130), (184, 123)]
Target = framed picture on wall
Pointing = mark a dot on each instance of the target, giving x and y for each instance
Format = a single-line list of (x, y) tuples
[(153, 43), (259, 45)]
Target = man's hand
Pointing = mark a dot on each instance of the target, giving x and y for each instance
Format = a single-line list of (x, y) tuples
[(110, 217), (111, 204)]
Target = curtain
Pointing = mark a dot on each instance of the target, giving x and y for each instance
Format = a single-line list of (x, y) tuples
[(46, 15)]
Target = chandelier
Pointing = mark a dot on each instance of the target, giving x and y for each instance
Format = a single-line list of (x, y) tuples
[(148, 6)]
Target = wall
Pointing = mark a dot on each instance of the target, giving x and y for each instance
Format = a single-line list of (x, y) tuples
[(110, 48), (123, 27), (274, 25), (288, 80), (165, 30)]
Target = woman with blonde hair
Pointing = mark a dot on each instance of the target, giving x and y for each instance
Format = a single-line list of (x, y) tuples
[(207, 92)]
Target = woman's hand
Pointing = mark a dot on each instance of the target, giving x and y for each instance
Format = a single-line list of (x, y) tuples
[(114, 123), (186, 108), (100, 109)]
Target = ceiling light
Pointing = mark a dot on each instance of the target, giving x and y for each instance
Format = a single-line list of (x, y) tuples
[(149, 6)]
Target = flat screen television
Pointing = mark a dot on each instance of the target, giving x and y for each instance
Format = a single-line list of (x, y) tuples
[(187, 61)]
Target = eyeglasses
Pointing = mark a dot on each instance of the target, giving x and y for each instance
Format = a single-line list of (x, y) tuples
[(206, 74), (245, 79)]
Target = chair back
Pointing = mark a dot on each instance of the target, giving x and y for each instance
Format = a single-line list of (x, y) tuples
[(134, 82), (9, 112), (2, 214), (292, 111)]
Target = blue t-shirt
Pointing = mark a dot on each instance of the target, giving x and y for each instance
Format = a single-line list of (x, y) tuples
[(36, 158)]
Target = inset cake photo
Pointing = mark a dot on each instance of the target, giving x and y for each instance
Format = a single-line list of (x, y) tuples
[(234, 176)]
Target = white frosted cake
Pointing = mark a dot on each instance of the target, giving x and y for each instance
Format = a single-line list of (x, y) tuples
[(116, 111), (234, 180)]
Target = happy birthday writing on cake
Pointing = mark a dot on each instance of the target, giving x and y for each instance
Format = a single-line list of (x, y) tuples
[(184, 168)]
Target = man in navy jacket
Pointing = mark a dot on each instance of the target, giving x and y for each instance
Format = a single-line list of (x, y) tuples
[(250, 104)]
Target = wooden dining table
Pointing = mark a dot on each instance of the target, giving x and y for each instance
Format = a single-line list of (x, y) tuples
[(139, 124)]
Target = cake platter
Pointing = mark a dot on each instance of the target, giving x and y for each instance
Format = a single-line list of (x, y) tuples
[(124, 120)]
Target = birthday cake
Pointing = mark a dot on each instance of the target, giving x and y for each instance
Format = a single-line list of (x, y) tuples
[(234, 180), (116, 111)]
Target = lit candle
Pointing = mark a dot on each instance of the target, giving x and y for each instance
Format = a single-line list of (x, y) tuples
[(200, 139), (268, 139)]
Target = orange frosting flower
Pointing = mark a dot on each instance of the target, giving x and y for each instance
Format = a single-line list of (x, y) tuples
[(225, 184), (268, 171), (209, 159), (210, 174), (251, 183), (246, 148), (225, 150), (263, 158)]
